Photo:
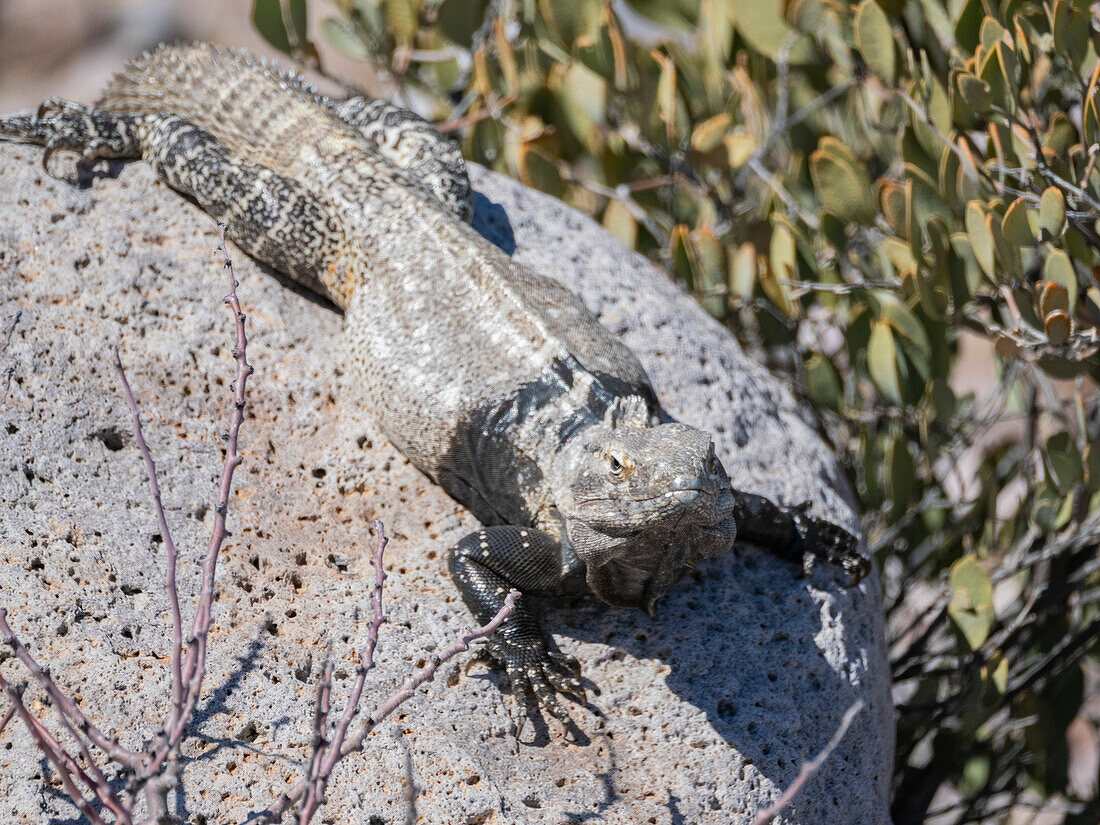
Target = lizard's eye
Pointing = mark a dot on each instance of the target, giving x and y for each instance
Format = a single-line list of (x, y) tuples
[(619, 466), (712, 460)]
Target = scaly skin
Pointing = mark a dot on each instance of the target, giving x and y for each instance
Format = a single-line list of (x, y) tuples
[(492, 378)]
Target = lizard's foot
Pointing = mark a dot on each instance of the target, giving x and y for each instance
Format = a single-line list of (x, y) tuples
[(533, 668), (819, 539)]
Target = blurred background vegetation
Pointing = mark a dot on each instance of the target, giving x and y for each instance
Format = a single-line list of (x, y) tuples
[(892, 203)]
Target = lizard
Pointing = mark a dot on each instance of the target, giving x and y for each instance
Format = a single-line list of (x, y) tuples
[(492, 378)]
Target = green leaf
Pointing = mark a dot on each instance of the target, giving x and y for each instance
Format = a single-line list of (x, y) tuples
[(1059, 268), (764, 28), (882, 361), (459, 19), (1052, 212), (539, 170), (968, 25), (681, 253), (1071, 32), (981, 238), (842, 185), (975, 92), (708, 134), (341, 34), (823, 383), (742, 270), (903, 473), (783, 256), (994, 73), (1007, 254), (971, 606), (910, 334), (267, 17), (875, 39), (666, 89), (620, 222), (1052, 510), (1091, 461), (1058, 326), (402, 19), (1053, 298), (739, 148), (1015, 225), (1063, 461), (709, 265)]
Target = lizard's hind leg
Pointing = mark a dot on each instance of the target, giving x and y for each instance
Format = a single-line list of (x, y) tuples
[(413, 145), (271, 217), (61, 125)]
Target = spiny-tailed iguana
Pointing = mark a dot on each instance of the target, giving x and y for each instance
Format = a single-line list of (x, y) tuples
[(492, 378)]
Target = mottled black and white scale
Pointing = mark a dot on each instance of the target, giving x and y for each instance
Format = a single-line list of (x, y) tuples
[(492, 378)]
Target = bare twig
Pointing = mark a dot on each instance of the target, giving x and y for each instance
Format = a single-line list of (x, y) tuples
[(169, 544), (808, 769), (315, 795), (71, 715), (304, 790), (149, 770), (194, 665)]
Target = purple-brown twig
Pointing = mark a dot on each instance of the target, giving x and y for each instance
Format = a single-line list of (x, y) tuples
[(310, 791), (808, 769), (156, 772)]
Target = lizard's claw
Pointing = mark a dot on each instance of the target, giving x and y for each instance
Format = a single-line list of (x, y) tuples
[(821, 539), (535, 669)]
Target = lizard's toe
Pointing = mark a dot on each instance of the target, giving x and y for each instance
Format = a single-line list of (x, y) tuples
[(565, 676), (536, 670), (834, 544)]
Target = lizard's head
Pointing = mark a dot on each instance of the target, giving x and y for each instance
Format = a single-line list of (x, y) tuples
[(644, 503)]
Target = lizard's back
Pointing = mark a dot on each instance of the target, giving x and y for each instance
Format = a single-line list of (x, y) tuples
[(443, 328)]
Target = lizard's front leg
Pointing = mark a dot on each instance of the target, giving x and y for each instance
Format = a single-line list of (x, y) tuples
[(794, 534), (487, 564)]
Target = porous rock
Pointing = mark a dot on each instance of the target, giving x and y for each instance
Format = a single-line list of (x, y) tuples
[(705, 713)]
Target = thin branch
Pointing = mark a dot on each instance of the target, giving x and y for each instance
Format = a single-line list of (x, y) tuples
[(62, 761), (72, 715), (169, 544), (291, 797), (316, 792), (808, 769), (194, 664)]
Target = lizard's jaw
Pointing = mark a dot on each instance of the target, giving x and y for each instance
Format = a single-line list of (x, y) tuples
[(637, 571)]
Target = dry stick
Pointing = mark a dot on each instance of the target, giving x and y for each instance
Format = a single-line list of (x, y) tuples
[(73, 718), (186, 677), (61, 760), (289, 798), (320, 722), (808, 769), (7, 717), (170, 545), (315, 795), (194, 666), (97, 782), (428, 671)]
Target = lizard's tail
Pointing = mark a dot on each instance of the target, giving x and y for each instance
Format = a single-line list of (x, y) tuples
[(256, 110)]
